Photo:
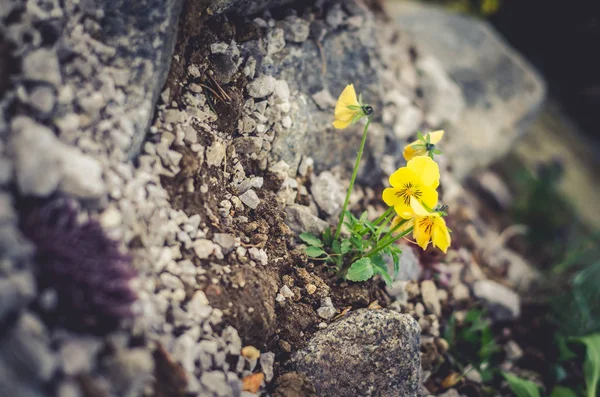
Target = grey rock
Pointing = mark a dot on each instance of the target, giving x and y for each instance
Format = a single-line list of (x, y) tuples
[(7, 212), (296, 29), (226, 241), (502, 93), (346, 358), (430, 297), (244, 7), (78, 355), (42, 65), (328, 193), (275, 41), (266, 364), (326, 311), (450, 393), (203, 248), (502, 302), (26, 351), (250, 199), (358, 59), (131, 371), (247, 145), (145, 35), (43, 163), (215, 382), (490, 184), (261, 87), (409, 268), (82, 176), (255, 182), (16, 291), (215, 153), (6, 171), (258, 255), (300, 219), (38, 157), (43, 99)]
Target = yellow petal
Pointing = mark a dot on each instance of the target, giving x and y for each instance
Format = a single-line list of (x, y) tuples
[(418, 208), (407, 223), (410, 152), (429, 197), (347, 98), (420, 232), (340, 124), (426, 170), (402, 176), (436, 136), (440, 235), (389, 196)]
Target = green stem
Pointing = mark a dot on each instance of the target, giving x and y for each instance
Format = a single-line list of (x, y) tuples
[(388, 242), (338, 230), (383, 216), (387, 220)]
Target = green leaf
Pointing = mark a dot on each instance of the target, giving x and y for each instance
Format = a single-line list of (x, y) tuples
[(357, 242), (561, 391), (591, 365), (314, 252), (336, 247), (311, 239), (363, 217), (345, 246), (360, 270), (521, 387), (327, 236), (380, 267), (396, 260)]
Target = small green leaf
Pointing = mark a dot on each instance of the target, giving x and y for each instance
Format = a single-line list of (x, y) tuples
[(363, 217), (327, 236), (521, 387), (345, 246), (561, 391), (396, 260), (311, 239), (591, 365), (314, 252), (360, 270), (380, 267), (335, 246)]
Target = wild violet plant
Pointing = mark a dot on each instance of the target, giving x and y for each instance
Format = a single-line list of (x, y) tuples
[(412, 203)]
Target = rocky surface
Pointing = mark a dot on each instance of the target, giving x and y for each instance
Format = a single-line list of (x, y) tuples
[(208, 199), (492, 94), (340, 360)]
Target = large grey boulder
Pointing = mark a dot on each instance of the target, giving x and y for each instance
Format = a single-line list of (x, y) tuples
[(493, 94), (366, 353)]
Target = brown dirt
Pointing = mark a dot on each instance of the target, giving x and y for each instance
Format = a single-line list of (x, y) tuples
[(246, 294)]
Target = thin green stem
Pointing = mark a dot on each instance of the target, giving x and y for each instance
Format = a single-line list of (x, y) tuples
[(383, 216), (338, 230), (387, 243), (387, 220)]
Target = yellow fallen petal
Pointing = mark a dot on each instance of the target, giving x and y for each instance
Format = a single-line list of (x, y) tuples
[(429, 197)]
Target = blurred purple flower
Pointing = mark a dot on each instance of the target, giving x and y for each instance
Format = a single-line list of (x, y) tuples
[(85, 267)]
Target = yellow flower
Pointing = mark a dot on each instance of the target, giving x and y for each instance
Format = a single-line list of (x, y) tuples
[(418, 179), (429, 226), (423, 146), (348, 109), (402, 228)]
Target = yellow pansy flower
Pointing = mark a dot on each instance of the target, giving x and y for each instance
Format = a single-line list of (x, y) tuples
[(418, 179), (423, 146), (429, 226), (349, 109)]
